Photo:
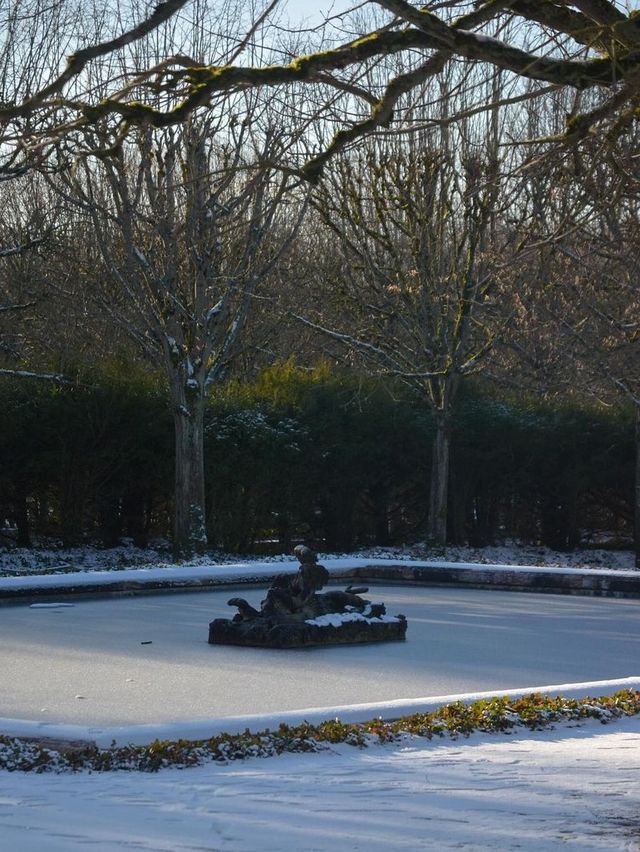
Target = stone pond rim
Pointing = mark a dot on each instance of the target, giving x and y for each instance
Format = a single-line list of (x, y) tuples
[(589, 582)]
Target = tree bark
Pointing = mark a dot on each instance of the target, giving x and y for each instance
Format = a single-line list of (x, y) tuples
[(135, 516), (636, 531), (189, 532), (380, 507), (439, 485)]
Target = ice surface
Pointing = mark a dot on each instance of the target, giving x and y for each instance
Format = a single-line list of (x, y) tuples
[(458, 641), (573, 787)]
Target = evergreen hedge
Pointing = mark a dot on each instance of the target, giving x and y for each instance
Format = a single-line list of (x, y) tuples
[(321, 455)]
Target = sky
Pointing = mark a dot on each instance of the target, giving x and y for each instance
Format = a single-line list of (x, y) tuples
[(309, 7), (302, 9)]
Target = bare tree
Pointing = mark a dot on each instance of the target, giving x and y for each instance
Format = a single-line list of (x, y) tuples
[(426, 258), (25, 235), (188, 223), (596, 308)]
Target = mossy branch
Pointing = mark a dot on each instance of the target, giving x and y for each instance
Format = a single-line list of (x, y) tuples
[(77, 61), (595, 23)]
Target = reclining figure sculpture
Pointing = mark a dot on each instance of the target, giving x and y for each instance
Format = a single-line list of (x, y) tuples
[(294, 614)]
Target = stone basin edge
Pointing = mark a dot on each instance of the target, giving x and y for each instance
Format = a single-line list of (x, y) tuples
[(542, 580)]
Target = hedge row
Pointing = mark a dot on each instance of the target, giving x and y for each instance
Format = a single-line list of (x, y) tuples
[(315, 455), (534, 712)]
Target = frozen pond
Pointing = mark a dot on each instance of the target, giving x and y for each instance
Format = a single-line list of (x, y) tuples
[(132, 660)]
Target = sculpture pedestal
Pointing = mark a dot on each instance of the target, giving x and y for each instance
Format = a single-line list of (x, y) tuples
[(329, 629)]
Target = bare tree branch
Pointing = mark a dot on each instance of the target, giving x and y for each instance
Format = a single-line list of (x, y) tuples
[(78, 61), (22, 248), (590, 44)]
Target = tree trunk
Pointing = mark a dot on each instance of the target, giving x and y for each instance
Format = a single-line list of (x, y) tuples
[(636, 535), (380, 510), (189, 530), (22, 518), (72, 503), (108, 509), (439, 486), (284, 532)]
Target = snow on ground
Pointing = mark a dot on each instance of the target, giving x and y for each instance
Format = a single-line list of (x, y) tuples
[(572, 787), (20, 561)]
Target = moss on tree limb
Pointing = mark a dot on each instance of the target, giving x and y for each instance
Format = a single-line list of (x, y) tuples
[(204, 82), (597, 24)]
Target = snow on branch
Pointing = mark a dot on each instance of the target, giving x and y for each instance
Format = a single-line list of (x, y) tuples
[(20, 307), (56, 378), (387, 361), (20, 249)]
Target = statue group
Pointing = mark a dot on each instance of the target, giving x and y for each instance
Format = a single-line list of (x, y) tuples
[(295, 615)]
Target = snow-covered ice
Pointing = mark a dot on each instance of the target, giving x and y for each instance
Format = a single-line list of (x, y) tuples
[(335, 619), (577, 786), (458, 641)]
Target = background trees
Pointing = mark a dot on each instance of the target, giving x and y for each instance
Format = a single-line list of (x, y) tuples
[(85, 461), (597, 276), (326, 456), (429, 229), (188, 223), (180, 191)]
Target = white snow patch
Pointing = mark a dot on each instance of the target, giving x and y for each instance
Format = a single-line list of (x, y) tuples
[(569, 788), (575, 786), (42, 560), (335, 619), (248, 569)]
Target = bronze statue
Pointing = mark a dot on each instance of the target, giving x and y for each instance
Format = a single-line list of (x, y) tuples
[(294, 614)]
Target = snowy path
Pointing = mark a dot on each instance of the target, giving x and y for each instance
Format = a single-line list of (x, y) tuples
[(87, 664), (576, 788)]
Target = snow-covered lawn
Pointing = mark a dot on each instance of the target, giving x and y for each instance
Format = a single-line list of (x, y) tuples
[(572, 787), (24, 561), (575, 786)]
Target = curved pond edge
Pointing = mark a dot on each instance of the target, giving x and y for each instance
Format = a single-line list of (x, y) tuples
[(596, 582), (105, 736)]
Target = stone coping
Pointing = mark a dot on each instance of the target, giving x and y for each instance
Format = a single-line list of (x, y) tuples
[(587, 582), (590, 582), (129, 587), (78, 736)]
